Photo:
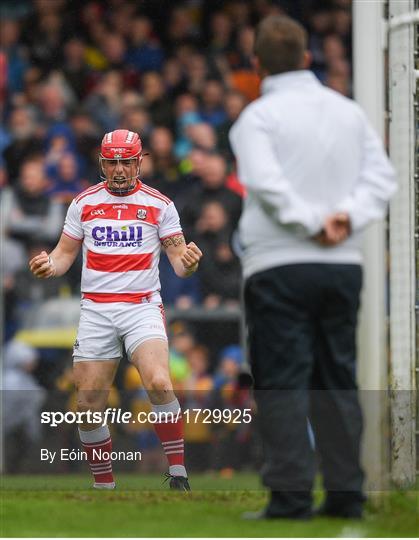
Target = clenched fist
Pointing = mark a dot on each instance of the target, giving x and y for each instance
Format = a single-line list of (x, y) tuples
[(191, 257), (42, 266)]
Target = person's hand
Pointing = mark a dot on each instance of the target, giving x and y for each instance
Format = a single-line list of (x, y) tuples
[(191, 257), (42, 266), (336, 229)]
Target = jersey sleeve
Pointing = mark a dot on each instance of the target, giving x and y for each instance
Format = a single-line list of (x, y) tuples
[(72, 225), (170, 223)]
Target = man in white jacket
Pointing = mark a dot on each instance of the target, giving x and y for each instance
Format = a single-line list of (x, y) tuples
[(316, 175)]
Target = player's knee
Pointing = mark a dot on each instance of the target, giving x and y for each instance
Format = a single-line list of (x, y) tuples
[(160, 383), (90, 401)]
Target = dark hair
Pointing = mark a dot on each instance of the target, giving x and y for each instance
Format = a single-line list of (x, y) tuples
[(280, 44)]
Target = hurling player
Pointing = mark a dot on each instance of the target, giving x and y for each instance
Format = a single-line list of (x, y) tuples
[(121, 225)]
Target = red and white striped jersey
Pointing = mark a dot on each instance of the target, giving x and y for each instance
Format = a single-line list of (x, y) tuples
[(121, 237)]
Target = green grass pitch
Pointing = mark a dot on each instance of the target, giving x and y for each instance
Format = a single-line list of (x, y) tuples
[(141, 506)]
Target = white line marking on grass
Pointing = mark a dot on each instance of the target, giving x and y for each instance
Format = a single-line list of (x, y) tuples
[(352, 532)]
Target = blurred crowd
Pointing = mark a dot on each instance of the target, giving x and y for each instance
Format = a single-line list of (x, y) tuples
[(179, 74)]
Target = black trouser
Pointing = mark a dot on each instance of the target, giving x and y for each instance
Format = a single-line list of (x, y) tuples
[(302, 323)]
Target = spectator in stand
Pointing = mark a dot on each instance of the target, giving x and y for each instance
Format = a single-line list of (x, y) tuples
[(121, 17), (161, 145), (191, 169), (197, 73), (212, 109), (145, 53), (220, 269), (197, 395), (104, 103), (183, 54), (24, 141), (3, 82), (181, 27), (243, 77), (138, 119), (12, 260), (342, 26), (53, 103), (181, 342), (333, 48), (75, 69), (114, 50), (185, 103), (131, 99), (338, 70), (86, 141), (173, 77), (32, 82), (320, 24), (67, 181), (3, 175), (166, 166), (234, 103), (264, 8), (28, 212), (210, 188), (15, 62), (199, 381), (221, 34), (184, 120), (202, 136), (45, 40), (229, 366), (239, 12), (338, 78), (244, 50), (59, 140), (97, 33), (5, 140), (232, 440), (160, 109)]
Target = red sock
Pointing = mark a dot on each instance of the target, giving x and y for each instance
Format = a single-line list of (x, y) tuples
[(96, 443), (171, 437)]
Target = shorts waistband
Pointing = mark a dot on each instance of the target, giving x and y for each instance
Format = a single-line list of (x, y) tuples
[(132, 298)]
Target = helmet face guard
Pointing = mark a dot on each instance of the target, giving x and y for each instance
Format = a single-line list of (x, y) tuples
[(108, 168), (120, 151)]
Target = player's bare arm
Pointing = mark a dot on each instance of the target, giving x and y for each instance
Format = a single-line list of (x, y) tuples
[(58, 261), (183, 257)]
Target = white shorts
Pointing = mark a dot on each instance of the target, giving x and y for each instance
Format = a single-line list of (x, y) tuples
[(105, 327)]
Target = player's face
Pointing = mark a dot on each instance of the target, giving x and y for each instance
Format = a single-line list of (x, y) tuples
[(121, 174)]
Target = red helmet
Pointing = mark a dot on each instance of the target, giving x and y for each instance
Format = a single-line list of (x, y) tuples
[(121, 145)]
